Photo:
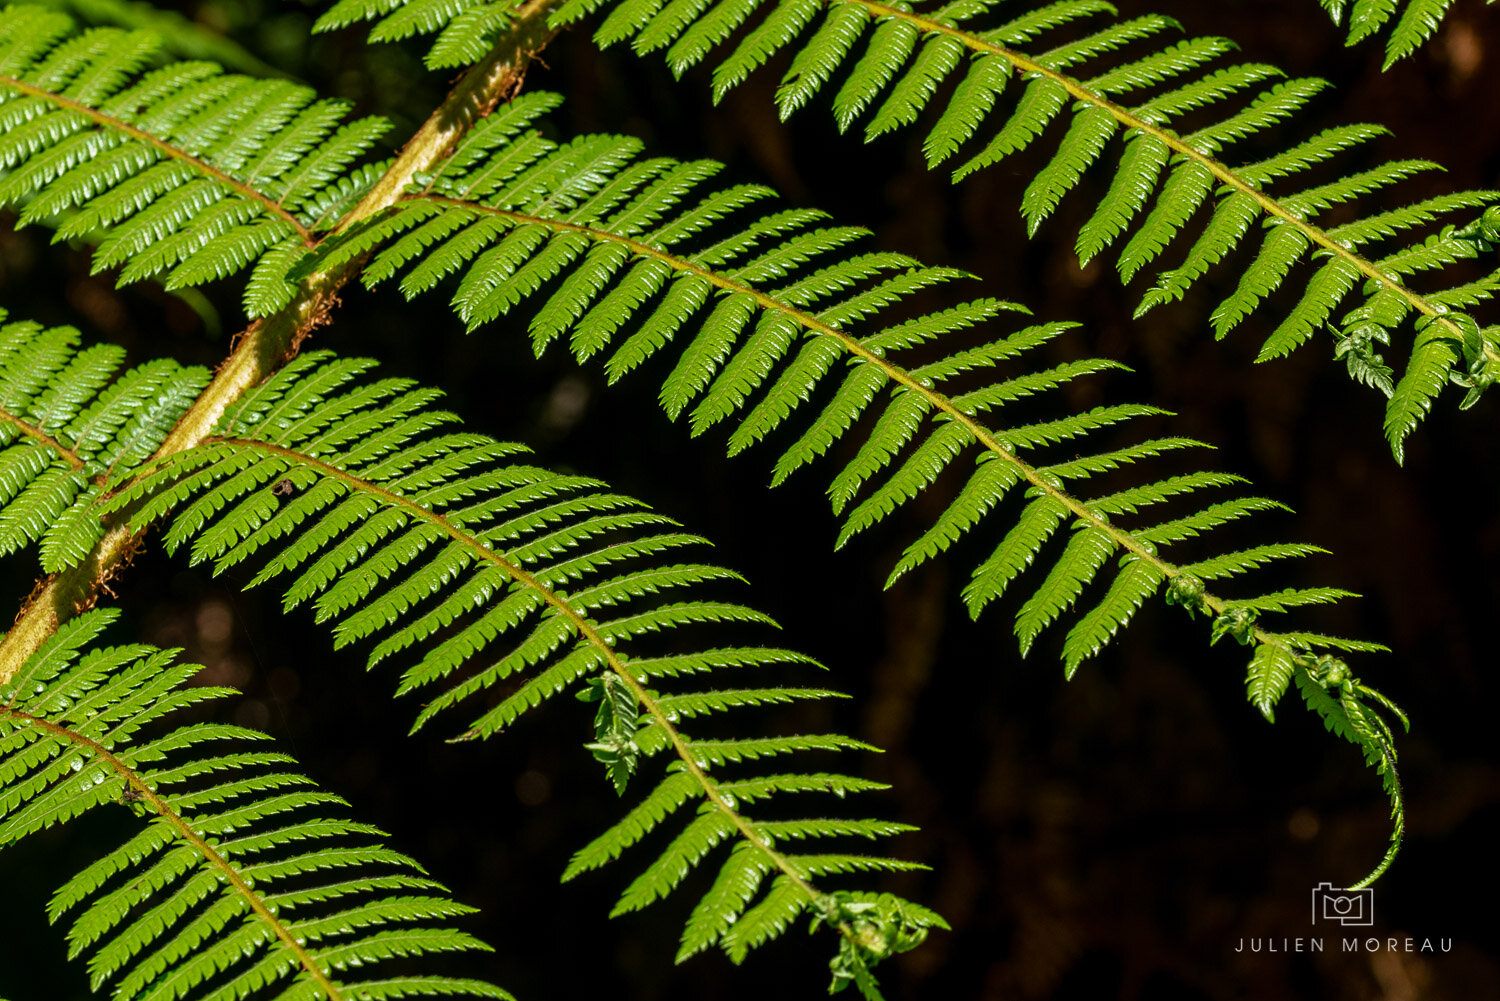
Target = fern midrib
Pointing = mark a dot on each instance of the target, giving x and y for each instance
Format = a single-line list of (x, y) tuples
[(166, 149), (1267, 203), (269, 342), (186, 833), (894, 372), (580, 624), (37, 434)]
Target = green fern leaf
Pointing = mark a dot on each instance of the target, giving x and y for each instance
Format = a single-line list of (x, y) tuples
[(210, 895), (736, 885), (1140, 166), (1041, 102), (383, 505), (1092, 128), (912, 92), (891, 45), (908, 55), (1426, 374), (181, 172), (1271, 669), (975, 96), (1081, 559), (816, 61), (1419, 21), (68, 423), (357, 492), (1136, 582), (775, 912)]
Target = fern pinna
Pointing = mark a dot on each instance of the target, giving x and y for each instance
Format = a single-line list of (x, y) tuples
[(479, 571), (635, 252), (961, 55), (1418, 22), (65, 425), (244, 881), (183, 172)]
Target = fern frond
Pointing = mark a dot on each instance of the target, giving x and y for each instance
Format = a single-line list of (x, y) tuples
[(477, 569), (789, 314), (211, 897), (67, 424), (182, 172), (768, 340), (902, 58)]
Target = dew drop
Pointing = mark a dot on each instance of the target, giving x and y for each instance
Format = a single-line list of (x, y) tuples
[(877, 352), (1440, 309), (729, 800), (925, 383)]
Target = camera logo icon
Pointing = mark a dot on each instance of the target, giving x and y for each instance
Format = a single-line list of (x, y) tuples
[(1351, 908)]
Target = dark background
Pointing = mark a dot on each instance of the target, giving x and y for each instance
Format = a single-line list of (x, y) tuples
[(1112, 837)]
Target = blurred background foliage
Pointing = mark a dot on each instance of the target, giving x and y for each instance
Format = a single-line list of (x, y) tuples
[(1115, 837)]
